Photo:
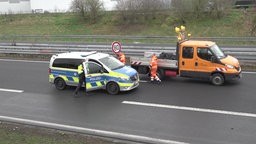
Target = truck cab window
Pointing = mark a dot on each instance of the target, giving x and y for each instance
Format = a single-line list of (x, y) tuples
[(204, 53), (187, 52), (217, 52)]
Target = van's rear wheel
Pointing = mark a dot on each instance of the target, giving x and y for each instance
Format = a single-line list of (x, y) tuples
[(217, 79), (60, 84), (113, 88)]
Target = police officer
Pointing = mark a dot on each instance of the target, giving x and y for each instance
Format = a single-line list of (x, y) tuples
[(82, 78), (153, 68)]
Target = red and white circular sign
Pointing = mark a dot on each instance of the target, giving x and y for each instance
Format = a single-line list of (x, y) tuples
[(116, 47)]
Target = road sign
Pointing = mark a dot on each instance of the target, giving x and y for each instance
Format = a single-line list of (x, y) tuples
[(116, 47)]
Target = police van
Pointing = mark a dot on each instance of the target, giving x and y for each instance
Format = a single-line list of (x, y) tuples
[(102, 71)]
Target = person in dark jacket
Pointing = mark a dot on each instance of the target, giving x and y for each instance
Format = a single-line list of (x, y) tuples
[(82, 78)]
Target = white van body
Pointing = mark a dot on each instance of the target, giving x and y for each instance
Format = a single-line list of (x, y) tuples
[(102, 71)]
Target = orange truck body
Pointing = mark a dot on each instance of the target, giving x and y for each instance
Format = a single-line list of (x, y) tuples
[(195, 59)]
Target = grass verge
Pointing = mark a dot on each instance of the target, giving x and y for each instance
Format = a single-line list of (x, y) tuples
[(12, 133), (234, 24)]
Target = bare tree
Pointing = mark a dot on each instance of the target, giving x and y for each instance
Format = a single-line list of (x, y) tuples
[(94, 8), (253, 26), (253, 21), (151, 7), (218, 8), (181, 7), (132, 10), (79, 6), (128, 9), (87, 8), (199, 7)]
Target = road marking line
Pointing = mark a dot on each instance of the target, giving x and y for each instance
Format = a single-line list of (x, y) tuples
[(11, 90), (29, 61), (249, 72), (191, 109), (104, 133)]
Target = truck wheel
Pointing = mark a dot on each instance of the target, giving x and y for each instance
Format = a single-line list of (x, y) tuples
[(113, 88), (217, 79), (60, 84)]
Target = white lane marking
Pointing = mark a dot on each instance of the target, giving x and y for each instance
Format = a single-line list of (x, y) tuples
[(249, 72), (91, 131), (143, 81), (191, 109), (11, 90), (28, 61)]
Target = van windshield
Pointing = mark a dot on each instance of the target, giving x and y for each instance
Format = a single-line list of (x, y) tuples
[(217, 51), (111, 62)]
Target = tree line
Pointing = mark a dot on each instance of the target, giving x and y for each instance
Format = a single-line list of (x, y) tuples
[(132, 11)]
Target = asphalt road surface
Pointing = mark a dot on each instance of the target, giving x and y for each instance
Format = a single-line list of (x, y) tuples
[(181, 111)]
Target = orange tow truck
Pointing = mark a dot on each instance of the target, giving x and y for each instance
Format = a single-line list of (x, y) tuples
[(192, 59)]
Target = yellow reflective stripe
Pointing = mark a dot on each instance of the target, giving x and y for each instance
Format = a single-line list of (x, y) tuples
[(116, 74), (51, 76), (76, 79), (125, 84), (98, 83), (64, 77), (88, 85)]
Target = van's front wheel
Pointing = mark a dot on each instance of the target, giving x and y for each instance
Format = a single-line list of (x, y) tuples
[(113, 88), (217, 79), (60, 84)]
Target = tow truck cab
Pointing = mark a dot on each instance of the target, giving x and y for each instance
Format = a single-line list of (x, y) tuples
[(204, 59)]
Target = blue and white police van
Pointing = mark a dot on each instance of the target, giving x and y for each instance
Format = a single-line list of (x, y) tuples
[(102, 71)]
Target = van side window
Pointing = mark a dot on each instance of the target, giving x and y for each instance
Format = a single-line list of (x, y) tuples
[(187, 52), (204, 53), (66, 63)]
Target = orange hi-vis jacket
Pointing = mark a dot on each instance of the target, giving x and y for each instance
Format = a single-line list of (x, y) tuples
[(153, 65), (121, 57)]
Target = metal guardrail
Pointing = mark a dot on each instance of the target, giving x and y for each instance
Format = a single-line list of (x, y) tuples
[(242, 53)]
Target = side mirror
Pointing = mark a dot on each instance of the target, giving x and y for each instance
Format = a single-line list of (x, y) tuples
[(214, 59)]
